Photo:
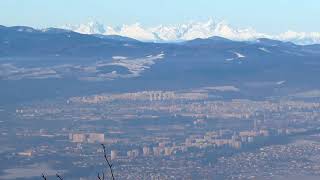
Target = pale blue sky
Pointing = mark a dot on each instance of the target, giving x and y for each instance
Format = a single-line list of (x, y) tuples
[(271, 16)]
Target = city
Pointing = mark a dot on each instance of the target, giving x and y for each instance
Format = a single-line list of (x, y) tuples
[(169, 134), (159, 90)]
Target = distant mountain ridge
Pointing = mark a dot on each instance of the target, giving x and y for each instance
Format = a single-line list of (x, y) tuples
[(183, 33), (27, 41), (190, 31), (46, 57)]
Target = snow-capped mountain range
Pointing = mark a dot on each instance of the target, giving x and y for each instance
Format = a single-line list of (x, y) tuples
[(191, 30)]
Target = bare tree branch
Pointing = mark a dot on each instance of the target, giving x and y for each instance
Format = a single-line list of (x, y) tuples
[(43, 177), (58, 176), (99, 177), (107, 160)]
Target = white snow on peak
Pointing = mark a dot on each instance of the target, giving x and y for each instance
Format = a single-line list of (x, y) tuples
[(191, 30), (300, 37), (88, 28), (135, 31)]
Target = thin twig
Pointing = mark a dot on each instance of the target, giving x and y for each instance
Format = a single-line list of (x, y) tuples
[(99, 177), (106, 158), (58, 176), (43, 177)]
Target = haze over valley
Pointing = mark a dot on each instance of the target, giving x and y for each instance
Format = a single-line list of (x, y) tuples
[(198, 99)]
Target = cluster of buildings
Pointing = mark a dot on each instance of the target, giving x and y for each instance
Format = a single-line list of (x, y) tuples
[(87, 137), (142, 96), (225, 139), (273, 161), (212, 139), (146, 151), (140, 130), (194, 104)]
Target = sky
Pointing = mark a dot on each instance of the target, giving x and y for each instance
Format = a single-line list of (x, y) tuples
[(270, 16)]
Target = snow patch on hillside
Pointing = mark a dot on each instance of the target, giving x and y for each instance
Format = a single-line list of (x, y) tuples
[(264, 50), (239, 55), (97, 71)]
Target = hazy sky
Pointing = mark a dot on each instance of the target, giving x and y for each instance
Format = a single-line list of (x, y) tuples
[(271, 16)]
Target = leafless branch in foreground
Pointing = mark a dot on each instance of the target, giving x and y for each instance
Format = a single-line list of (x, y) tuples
[(101, 178), (58, 176), (108, 162), (43, 177)]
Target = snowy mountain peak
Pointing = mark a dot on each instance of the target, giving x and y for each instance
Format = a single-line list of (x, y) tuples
[(88, 28), (191, 30)]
